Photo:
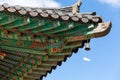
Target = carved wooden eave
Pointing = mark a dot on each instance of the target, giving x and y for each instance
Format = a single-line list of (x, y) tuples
[(33, 41)]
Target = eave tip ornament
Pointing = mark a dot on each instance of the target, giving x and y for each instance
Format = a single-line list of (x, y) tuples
[(76, 7)]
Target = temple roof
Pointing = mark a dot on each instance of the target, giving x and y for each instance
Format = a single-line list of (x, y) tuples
[(65, 13), (33, 41)]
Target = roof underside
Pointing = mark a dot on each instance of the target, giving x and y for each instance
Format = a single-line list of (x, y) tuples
[(33, 41)]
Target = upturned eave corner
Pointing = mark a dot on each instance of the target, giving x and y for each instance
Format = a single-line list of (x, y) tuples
[(76, 7), (102, 29)]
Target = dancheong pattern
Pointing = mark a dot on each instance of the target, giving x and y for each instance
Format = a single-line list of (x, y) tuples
[(33, 41)]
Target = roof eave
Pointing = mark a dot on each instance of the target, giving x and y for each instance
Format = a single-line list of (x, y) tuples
[(102, 29)]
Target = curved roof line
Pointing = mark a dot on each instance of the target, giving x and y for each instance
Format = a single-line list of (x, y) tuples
[(73, 8)]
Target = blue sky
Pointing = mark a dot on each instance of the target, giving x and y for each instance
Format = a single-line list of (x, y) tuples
[(105, 51)]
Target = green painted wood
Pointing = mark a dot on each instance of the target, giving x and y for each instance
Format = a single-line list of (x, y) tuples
[(7, 20), (44, 69), (79, 29), (44, 27), (4, 69), (18, 23), (47, 27), (30, 51), (71, 47), (2, 15), (60, 54), (65, 27), (39, 56)]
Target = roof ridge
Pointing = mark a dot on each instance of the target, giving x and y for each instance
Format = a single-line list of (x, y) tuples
[(73, 8), (76, 7)]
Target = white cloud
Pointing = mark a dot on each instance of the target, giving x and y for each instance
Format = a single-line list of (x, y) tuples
[(32, 3), (86, 59), (114, 3)]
